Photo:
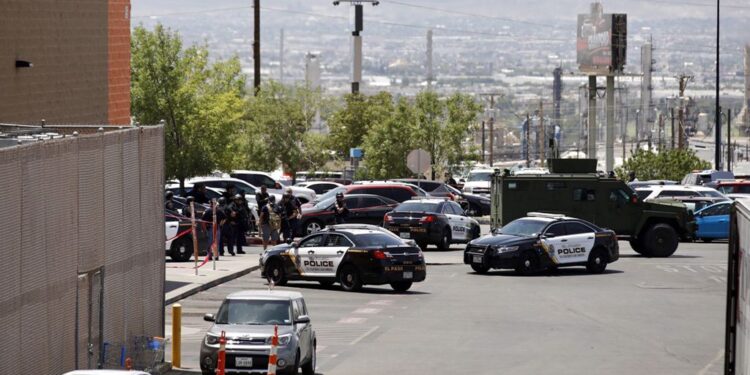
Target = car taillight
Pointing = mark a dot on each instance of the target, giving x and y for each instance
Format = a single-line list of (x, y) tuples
[(381, 255), (427, 219), (387, 218)]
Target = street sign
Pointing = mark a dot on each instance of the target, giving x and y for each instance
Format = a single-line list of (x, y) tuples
[(418, 161)]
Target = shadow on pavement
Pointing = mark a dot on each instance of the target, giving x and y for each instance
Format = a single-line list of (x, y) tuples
[(676, 256), (552, 273), (172, 285), (365, 290)]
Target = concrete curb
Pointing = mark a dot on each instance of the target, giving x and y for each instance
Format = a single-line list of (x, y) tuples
[(177, 295), (182, 371)]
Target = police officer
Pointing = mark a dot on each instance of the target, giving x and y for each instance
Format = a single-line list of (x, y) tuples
[(199, 193), (292, 213), (168, 201), (262, 197), (208, 216), (186, 211), (341, 211)]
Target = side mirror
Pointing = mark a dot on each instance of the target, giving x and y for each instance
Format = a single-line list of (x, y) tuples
[(549, 235), (209, 318), (411, 243), (302, 319)]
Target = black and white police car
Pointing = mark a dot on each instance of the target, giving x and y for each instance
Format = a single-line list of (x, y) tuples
[(541, 241), (432, 221), (350, 254)]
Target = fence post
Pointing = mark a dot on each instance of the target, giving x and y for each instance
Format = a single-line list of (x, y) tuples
[(176, 335)]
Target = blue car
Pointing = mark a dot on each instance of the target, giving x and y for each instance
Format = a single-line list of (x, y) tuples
[(713, 222)]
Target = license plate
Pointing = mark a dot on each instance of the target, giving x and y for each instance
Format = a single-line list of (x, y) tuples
[(243, 361), (477, 259), (405, 235), (408, 275)]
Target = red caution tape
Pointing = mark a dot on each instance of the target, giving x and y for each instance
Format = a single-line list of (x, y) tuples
[(186, 231)]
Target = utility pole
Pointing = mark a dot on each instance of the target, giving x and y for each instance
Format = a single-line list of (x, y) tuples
[(281, 59), (610, 134), (591, 140), (528, 140), (430, 74), (256, 46), (541, 135), (717, 130), (729, 139), (357, 39), (491, 122), (681, 141), (484, 150), (671, 114), (661, 133)]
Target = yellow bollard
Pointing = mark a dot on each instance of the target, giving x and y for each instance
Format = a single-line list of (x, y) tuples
[(176, 334)]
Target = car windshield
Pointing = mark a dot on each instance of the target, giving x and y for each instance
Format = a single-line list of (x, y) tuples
[(331, 193), (712, 194), (416, 207), (377, 239), (480, 176), (254, 312), (643, 193), (523, 227), (325, 203)]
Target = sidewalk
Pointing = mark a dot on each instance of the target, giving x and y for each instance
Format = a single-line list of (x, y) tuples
[(181, 280)]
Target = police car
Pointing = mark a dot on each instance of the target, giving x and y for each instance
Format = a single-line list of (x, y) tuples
[(432, 221), (541, 241), (350, 254)]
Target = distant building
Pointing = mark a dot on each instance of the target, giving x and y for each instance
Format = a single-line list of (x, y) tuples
[(67, 62)]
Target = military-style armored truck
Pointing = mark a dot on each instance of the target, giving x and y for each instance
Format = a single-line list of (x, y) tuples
[(575, 189)]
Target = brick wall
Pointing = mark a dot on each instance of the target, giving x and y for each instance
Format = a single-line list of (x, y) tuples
[(119, 62), (68, 43)]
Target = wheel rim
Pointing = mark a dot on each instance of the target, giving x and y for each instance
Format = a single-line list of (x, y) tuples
[(275, 273), (348, 279), (313, 227), (527, 263), (598, 260), (182, 249)]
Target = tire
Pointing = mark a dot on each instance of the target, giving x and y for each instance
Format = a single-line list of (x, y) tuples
[(637, 246), (294, 369), (204, 372), (313, 226), (480, 268), (308, 368), (661, 240), (707, 240), (181, 251), (445, 241), (326, 283), (476, 233), (597, 262), (349, 279), (275, 273), (401, 286), (528, 263)]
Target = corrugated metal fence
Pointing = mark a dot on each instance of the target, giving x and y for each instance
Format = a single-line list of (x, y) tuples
[(82, 229)]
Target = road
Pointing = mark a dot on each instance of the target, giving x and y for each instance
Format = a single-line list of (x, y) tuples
[(659, 316)]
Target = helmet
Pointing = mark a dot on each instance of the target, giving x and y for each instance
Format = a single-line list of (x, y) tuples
[(238, 196), (190, 198), (168, 195), (272, 198), (222, 200), (339, 195)]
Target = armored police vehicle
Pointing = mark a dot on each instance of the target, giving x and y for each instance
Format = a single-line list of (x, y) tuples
[(574, 188)]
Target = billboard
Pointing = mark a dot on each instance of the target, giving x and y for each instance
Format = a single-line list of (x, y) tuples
[(601, 43)]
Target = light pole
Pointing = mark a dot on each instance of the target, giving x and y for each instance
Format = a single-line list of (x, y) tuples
[(717, 129), (357, 39)]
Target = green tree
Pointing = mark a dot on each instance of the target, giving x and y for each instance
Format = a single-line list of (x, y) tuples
[(279, 119), (350, 124), (388, 143), (200, 102), (666, 165)]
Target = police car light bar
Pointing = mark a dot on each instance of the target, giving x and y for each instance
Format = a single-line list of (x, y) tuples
[(545, 214)]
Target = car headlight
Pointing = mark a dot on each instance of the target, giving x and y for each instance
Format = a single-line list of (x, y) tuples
[(212, 340), (283, 339), (505, 249)]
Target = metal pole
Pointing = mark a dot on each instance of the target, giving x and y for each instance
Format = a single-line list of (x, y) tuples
[(591, 141), (541, 136), (195, 236), (357, 48), (717, 146), (492, 140), (256, 46), (528, 140), (176, 335), (610, 139), (671, 111), (484, 151), (729, 139)]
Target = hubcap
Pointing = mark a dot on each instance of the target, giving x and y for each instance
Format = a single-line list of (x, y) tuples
[(313, 227), (527, 263), (598, 260), (349, 278)]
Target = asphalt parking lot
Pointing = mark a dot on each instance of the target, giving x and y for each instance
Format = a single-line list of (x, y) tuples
[(644, 315)]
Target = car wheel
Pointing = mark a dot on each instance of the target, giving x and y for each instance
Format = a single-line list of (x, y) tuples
[(309, 367), (401, 286), (204, 372), (476, 233), (275, 273), (294, 369), (480, 268), (445, 241), (637, 246), (528, 263), (661, 240), (313, 226), (326, 283), (181, 249), (349, 279), (707, 240), (597, 262)]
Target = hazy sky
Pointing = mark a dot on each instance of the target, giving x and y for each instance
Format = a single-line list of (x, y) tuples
[(554, 10)]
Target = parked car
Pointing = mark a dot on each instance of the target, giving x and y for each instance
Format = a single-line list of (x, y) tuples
[(351, 254), (259, 179), (713, 222), (733, 186), (319, 187), (248, 319), (432, 221), (542, 241), (363, 209), (211, 193), (638, 184), (479, 182), (181, 249), (704, 177), (397, 192), (106, 372), (474, 205)]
